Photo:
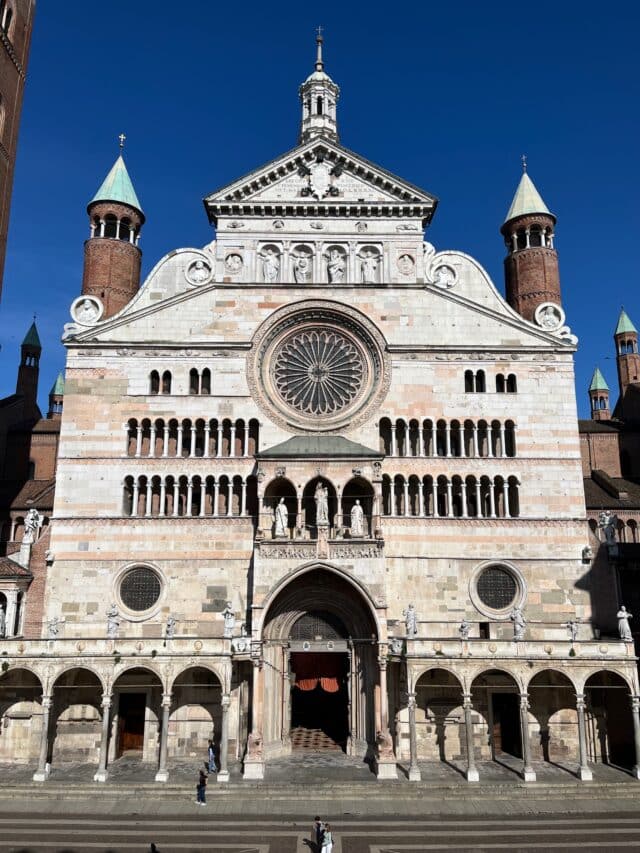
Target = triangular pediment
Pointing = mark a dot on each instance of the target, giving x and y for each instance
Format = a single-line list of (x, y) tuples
[(321, 173)]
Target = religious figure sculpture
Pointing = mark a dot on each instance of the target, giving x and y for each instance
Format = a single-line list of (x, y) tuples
[(411, 621), (519, 623), (113, 622), (464, 630), (170, 630), (549, 318), (53, 628), (369, 266), (31, 524), (87, 312), (281, 518), (572, 627), (623, 624), (335, 267), (198, 272), (270, 265), (322, 505), (229, 620), (357, 520), (301, 268), (608, 522), (3, 621)]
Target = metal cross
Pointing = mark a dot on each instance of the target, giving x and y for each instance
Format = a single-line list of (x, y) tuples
[(524, 162), (122, 139), (319, 31)]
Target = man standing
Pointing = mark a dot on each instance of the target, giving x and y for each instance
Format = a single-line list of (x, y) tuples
[(212, 758), (201, 788)]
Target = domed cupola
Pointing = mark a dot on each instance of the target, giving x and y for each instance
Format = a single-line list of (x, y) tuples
[(319, 96)]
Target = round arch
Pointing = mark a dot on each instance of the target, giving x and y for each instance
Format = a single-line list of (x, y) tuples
[(196, 711), (552, 704), (609, 718), (439, 714)]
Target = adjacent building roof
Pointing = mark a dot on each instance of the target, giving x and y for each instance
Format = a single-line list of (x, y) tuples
[(527, 200), (599, 426), (32, 338), (624, 324), (598, 382), (10, 569), (117, 187), (597, 497), (320, 447)]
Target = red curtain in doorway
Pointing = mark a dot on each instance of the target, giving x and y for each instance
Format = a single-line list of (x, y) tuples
[(324, 670)]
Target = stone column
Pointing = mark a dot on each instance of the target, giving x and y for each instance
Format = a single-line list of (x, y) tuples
[(101, 773), (207, 439), (434, 497), (449, 499), (42, 773), (243, 502), (12, 608), (216, 496), (463, 498), (138, 441), (492, 498), (505, 492), (635, 709), (528, 773), (165, 442), (447, 438), (192, 446), (176, 496), (230, 497), (386, 759), (584, 771), (394, 449), (203, 495), (223, 772), (189, 496), (339, 521), (405, 486), (219, 440), (152, 440), (163, 774), (420, 498), (414, 770), (503, 446), (149, 498), (254, 762), (232, 441), (245, 449), (179, 441), (163, 497), (478, 499), (472, 770), (476, 449)]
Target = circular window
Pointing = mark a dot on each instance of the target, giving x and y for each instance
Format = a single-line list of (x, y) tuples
[(318, 366), (497, 588), (140, 589)]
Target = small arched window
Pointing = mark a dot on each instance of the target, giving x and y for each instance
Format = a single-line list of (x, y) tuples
[(500, 384), (194, 381), (205, 381), (512, 384), (154, 382), (110, 225), (535, 236), (469, 383), (166, 382), (319, 106), (32, 470), (481, 384)]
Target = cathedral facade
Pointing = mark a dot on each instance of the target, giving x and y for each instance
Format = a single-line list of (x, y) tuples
[(319, 486)]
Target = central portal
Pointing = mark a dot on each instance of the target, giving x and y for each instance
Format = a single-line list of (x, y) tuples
[(319, 701)]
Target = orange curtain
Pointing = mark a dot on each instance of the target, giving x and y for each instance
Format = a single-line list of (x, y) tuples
[(312, 670)]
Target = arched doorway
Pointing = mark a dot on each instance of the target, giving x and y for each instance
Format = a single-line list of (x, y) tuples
[(552, 702), (195, 713), (76, 717), (320, 637), (609, 720), (20, 716), (440, 717), (137, 713), (496, 697)]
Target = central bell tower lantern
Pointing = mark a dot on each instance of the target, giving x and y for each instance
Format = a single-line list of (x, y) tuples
[(319, 96)]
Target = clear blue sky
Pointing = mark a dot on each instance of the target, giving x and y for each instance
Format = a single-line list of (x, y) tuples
[(447, 95)]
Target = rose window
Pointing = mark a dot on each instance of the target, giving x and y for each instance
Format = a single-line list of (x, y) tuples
[(318, 371)]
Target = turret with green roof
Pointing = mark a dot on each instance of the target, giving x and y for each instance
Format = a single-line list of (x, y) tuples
[(624, 324), (599, 397), (112, 271), (56, 397)]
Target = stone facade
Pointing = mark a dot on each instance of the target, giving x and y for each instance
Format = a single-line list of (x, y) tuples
[(321, 358)]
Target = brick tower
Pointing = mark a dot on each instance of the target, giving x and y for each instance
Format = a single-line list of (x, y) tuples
[(627, 358), (111, 254), (27, 381), (531, 265), (599, 397), (56, 398)]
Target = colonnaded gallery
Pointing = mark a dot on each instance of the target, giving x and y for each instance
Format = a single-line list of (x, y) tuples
[(319, 488)]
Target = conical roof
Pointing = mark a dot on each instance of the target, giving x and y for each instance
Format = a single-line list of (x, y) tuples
[(598, 382), (117, 187), (32, 338), (527, 200), (57, 389), (624, 324)]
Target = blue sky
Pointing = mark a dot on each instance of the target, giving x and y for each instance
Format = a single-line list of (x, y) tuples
[(447, 95)]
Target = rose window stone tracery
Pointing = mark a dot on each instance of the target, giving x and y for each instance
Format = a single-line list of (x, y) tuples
[(318, 371)]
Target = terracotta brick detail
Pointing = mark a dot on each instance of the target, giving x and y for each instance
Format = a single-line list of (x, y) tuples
[(111, 272)]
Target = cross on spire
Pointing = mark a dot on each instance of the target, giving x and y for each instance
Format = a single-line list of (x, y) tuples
[(319, 41), (122, 139), (524, 162)]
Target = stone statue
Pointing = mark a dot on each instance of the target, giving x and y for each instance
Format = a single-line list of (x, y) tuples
[(464, 630), (3, 621), (229, 620), (357, 520), (623, 624), (335, 267), (369, 266), (31, 524), (53, 628), (549, 318), (281, 518), (301, 268), (270, 265), (87, 312), (322, 504), (519, 623), (199, 272), (113, 622), (587, 554), (170, 630), (411, 621), (608, 522), (572, 627)]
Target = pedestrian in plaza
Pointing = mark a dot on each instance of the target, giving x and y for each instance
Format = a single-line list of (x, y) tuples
[(201, 788), (317, 832), (211, 752), (327, 839)]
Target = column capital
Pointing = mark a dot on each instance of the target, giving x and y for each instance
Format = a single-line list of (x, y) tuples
[(524, 701), (167, 699), (46, 702), (466, 701), (580, 700), (225, 700), (107, 699), (411, 700), (635, 703)]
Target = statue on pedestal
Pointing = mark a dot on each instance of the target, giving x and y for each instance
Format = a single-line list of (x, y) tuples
[(357, 520), (623, 624), (322, 505), (335, 267), (281, 518), (411, 620), (608, 522), (31, 524), (113, 622), (270, 265), (170, 630), (464, 630), (519, 623), (229, 620)]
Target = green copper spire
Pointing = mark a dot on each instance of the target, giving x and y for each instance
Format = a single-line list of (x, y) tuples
[(624, 324), (57, 389), (32, 338), (527, 200), (598, 382), (117, 187)]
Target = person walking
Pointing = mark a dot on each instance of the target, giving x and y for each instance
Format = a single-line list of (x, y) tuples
[(317, 831), (327, 839), (201, 788), (212, 758)]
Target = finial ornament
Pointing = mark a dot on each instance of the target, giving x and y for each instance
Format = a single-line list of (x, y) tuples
[(524, 162), (319, 41), (122, 139)]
